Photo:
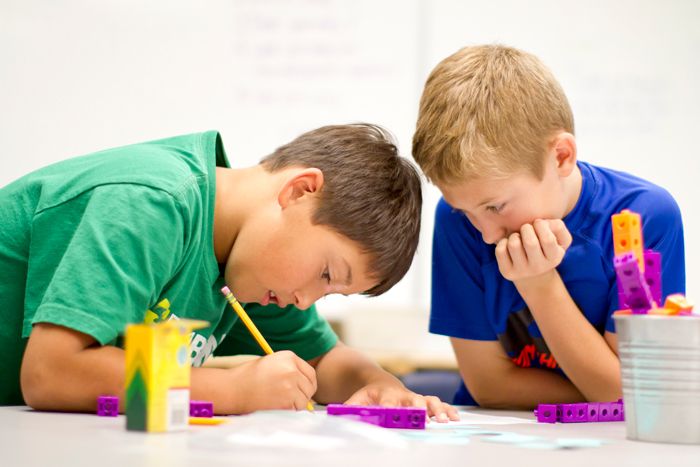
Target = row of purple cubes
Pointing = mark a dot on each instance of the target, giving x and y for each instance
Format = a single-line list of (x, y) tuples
[(583, 412), (108, 406)]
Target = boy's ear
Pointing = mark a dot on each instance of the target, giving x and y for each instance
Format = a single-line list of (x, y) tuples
[(564, 149), (300, 184)]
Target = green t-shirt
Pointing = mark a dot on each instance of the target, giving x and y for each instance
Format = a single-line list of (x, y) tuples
[(122, 236)]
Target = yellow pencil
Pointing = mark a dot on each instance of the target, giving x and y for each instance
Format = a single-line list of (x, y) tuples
[(252, 328)]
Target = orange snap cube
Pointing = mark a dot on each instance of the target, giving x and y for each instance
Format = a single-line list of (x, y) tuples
[(678, 303)]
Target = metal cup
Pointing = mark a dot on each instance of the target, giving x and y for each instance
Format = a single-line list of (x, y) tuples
[(660, 365)]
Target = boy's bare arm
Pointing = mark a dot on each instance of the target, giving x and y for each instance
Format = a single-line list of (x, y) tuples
[(496, 382), (342, 371), (587, 358), (66, 370), (346, 375), (529, 259)]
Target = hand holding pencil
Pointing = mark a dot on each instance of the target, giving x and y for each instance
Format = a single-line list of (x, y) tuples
[(252, 328)]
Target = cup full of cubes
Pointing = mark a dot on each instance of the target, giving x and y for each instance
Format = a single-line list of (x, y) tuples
[(658, 344)]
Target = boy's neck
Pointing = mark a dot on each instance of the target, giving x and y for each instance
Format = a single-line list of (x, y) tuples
[(572, 190), (240, 193)]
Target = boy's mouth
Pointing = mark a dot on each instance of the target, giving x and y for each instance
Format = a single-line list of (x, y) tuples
[(270, 297)]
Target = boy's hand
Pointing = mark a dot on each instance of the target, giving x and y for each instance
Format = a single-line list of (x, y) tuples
[(281, 380), (396, 395), (537, 249)]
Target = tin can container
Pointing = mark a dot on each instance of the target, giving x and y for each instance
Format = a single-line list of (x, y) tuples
[(660, 366)]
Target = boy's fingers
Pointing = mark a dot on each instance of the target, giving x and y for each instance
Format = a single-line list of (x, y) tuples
[(359, 398), (515, 250), (505, 264), (561, 233), (548, 241), (306, 389), (442, 411), (531, 243), (309, 380), (439, 409), (452, 412)]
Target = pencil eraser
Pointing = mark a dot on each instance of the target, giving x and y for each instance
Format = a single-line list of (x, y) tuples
[(225, 290)]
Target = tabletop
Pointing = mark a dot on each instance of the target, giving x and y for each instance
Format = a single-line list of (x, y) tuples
[(279, 438)]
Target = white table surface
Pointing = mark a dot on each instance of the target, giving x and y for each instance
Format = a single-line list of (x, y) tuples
[(29, 438)]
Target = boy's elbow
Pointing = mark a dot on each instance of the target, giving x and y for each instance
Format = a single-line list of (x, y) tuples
[(36, 384), (489, 398), (496, 391)]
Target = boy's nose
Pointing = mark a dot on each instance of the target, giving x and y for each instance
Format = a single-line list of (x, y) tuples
[(304, 300), (492, 234)]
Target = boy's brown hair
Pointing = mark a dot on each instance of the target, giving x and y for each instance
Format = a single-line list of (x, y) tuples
[(370, 194), (488, 111)]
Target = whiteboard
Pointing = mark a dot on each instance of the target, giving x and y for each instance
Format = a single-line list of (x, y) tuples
[(78, 76)]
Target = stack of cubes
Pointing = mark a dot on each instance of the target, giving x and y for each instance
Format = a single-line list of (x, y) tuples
[(585, 412), (638, 272), (387, 417)]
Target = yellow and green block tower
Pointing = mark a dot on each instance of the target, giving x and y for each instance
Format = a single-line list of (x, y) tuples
[(158, 374)]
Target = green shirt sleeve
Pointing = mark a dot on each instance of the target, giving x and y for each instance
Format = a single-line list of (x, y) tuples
[(97, 261), (304, 332)]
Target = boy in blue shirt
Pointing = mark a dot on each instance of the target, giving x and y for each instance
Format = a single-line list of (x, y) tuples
[(152, 231), (523, 279)]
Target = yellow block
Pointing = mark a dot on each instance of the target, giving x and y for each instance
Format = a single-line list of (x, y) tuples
[(158, 375), (627, 235)]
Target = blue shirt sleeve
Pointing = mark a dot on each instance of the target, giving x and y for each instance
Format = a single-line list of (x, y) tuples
[(458, 307)]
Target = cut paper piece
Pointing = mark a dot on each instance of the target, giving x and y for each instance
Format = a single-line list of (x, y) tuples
[(464, 429), (563, 443), (542, 445), (470, 418), (451, 441), (570, 443), (447, 434), (296, 431), (513, 438), (538, 442), (285, 439)]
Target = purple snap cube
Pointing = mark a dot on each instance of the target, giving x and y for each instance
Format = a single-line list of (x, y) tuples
[(593, 410), (201, 409), (108, 406), (574, 413), (634, 287), (652, 274), (546, 413), (618, 412), (605, 413)]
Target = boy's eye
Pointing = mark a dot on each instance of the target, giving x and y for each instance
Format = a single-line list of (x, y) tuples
[(326, 276), (496, 209)]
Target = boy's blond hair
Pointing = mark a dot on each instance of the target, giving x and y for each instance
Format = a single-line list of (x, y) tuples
[(488, 111)]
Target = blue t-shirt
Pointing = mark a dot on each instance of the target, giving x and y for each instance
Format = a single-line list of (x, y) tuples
[(472, 300)]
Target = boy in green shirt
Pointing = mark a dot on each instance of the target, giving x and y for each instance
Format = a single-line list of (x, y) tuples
[(153, 231)]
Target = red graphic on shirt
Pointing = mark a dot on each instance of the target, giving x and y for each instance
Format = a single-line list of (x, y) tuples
[(529, 354)]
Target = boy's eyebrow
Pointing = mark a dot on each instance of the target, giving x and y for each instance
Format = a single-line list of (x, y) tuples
[(486, 201)]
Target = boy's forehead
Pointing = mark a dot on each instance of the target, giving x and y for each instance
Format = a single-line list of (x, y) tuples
[(472, 192), (476, 192)]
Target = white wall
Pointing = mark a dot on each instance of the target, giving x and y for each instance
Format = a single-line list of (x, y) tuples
[(78, 76)]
